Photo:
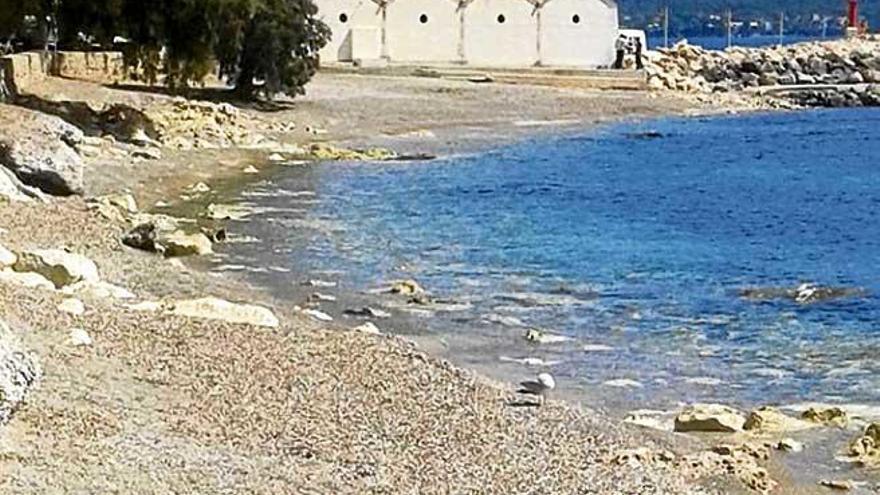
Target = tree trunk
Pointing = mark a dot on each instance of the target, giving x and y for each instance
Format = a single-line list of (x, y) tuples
[(5, 93)]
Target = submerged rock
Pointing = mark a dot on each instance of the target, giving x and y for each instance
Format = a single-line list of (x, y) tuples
[(790, 445), (802, 294), (709, 418), (841, 485), (212, 308), (367, 312), (407, 288), (60, 267), (541, 337), (19, 372)]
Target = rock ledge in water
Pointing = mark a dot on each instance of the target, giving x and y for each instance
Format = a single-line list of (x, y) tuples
[(709, 418)]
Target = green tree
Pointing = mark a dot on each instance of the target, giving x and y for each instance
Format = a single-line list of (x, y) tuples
[(261, 46), (279, 46)]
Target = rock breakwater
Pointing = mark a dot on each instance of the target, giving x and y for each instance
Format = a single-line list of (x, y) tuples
[(836, 73)]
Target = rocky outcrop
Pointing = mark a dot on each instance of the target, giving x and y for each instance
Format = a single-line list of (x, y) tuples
[(830, 416), (709, 418), (212, 308), (771, 420), (692, 69), (740, 461), (865, 450), (58, 266), (19, 372), (39, 149)]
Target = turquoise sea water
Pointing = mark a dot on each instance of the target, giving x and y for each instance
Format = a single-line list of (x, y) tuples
[(632, 239)]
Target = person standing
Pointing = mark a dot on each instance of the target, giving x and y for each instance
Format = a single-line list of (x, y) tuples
[(620, 47), (638, 50)]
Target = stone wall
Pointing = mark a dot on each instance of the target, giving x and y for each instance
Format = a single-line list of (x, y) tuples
[(23, 70)]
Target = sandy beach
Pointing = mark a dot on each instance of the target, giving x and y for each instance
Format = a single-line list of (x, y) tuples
[(162, 403)]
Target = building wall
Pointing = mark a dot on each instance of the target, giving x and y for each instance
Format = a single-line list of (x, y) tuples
[(423, 31), (500, 33), (340, 16), (488, 33), (578, 32)]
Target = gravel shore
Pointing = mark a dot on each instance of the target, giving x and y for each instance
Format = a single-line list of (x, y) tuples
[(162, 403)]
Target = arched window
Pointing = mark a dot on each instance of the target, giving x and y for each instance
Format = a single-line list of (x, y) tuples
[(501, 19), (423, 18), (576, 19), (343, 17)]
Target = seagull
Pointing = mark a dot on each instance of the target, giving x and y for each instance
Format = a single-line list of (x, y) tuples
[(540, 387)]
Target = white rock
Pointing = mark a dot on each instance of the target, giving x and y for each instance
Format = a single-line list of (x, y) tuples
[(623, 383), (251, 170), (790, 445), (27, 279), (541, 337), (367, 327), (318, 315), (60, 267), (72, 306), (79, 338), (276, 157), (321, 283), (212, 308), (597, 348), (7, 257)]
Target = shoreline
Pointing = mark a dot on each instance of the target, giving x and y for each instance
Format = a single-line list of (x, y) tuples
[(151, 385)]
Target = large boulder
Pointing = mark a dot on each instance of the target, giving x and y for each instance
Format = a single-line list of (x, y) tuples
[(19, 372), (60, 267), (179, 243), (39, 149), (709, 418), (212, 308)]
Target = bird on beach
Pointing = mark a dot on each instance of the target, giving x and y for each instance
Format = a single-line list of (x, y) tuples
[(540, 387)]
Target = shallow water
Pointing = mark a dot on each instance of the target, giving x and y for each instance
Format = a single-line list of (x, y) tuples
[(633, 240)]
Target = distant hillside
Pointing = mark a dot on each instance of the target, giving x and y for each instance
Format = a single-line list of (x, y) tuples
[(703, 17)]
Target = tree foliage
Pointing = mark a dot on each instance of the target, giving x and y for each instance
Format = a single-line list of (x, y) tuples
[(261, 46)]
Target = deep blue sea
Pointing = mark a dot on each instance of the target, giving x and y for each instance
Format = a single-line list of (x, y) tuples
[(633, 239), (720, 42)]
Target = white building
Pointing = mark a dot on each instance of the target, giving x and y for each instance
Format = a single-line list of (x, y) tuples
[(480, 33)]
